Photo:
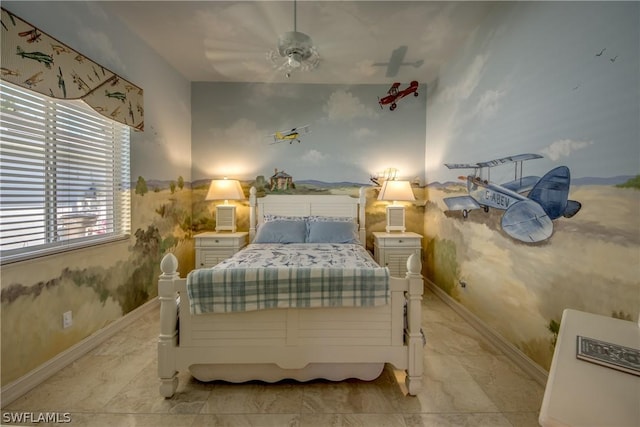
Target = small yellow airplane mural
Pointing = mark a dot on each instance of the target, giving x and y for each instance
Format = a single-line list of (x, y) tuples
[(290, 135)]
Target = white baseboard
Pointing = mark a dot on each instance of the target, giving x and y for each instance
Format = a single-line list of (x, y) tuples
[(22, 385), (514, 354)]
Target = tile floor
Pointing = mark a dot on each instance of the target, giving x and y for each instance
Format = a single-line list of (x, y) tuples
[(466, 383)]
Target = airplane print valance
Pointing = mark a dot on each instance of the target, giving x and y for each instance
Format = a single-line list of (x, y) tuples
[(36, 61)]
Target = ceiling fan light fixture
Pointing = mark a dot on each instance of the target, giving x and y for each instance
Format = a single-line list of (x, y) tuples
[(297, 51), (295, 42), (294, 60)]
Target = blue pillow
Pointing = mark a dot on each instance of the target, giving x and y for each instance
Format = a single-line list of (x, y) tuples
[(281, 232), (332, 232)]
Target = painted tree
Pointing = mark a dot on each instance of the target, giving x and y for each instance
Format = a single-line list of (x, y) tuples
[(141, 186)]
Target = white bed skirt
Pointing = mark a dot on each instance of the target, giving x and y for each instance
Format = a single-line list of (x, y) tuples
[(238, 373)]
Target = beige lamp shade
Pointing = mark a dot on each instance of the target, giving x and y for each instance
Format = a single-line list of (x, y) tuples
[(396, 191), (225, 189)]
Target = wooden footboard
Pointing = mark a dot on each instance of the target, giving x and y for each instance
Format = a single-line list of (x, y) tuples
[(302, 344)]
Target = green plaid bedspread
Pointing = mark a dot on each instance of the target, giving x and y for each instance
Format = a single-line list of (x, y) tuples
[(236, 289), (239, 289)]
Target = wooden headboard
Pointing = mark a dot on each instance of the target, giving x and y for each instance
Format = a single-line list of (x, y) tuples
[(306, 205)]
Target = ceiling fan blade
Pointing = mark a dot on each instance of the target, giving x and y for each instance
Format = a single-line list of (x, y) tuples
[(241, 20)]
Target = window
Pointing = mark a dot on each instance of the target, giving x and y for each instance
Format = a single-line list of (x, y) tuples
[(64, 175)]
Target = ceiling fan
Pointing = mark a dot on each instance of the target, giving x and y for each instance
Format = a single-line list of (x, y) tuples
[(296, 51)]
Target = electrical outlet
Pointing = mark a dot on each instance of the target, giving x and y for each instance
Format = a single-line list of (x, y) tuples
[(67, 319)]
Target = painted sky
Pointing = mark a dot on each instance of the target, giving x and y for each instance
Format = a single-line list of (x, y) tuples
[(568, 89), (519, 86), (351, 136)]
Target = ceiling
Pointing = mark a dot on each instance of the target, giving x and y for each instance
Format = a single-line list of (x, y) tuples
[(229, 40)]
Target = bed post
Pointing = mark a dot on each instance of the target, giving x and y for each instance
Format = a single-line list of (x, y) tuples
[(362, 231), (413, 380), (252, 213), (167, 340)]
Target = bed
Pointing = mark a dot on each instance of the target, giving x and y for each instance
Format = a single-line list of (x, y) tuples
[(275, 337)]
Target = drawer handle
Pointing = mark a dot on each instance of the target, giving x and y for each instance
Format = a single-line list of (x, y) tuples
[(217, 241), (399, 240)]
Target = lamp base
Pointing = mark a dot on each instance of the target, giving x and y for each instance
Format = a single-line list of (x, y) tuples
[(226, 218), (395, 218)]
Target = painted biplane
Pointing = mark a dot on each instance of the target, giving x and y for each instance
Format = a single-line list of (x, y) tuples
[(34, 80), (43, 58), (290, 135), (394, 94), (31, 35), (530, 203)]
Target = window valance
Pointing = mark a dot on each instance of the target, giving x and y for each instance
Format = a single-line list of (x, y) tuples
[(36, 61)]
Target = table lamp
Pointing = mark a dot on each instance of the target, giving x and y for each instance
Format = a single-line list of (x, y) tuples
[(396, 191), (225, 189)]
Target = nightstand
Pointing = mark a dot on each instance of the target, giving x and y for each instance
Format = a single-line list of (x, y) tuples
[(212, 247), (393, 249)]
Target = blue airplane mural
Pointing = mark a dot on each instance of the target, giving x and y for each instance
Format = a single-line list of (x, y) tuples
[(530, 203)]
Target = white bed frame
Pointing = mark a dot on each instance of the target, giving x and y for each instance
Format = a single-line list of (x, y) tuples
[(300, 344)]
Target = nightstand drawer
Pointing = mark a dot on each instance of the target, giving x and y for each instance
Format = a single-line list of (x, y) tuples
[(398, 242), (226, 242)]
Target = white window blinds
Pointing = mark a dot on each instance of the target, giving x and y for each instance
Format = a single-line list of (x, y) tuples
[(64, 175)]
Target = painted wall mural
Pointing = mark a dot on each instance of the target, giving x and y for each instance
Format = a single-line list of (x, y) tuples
[(558, 81), (305, 138), (530, 203), (349, 136), (203, 211)]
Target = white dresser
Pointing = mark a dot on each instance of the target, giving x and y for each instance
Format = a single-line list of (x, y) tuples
[(212, 247), (581, 393), (393, 249)]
